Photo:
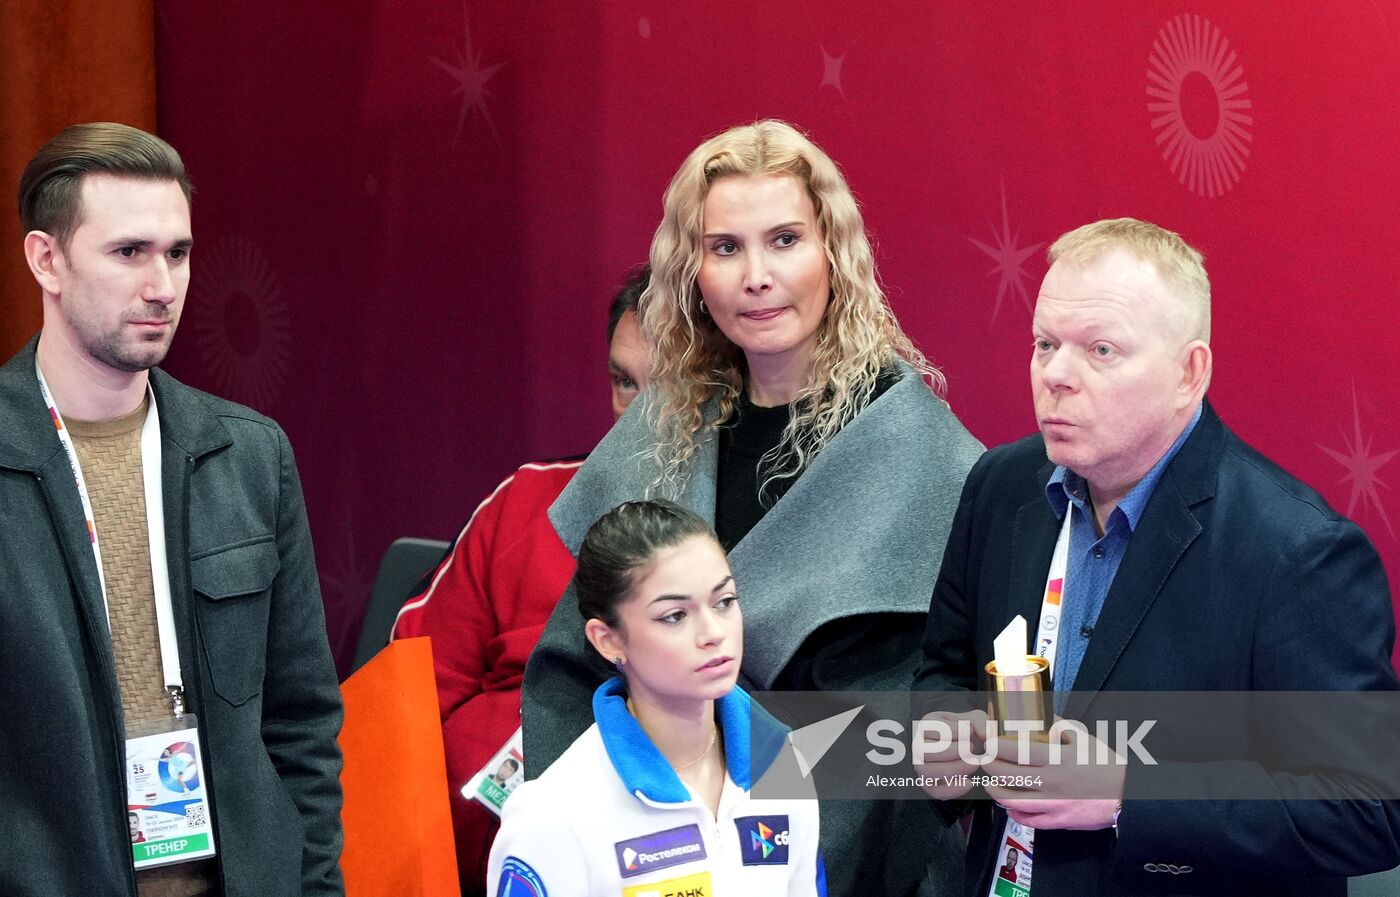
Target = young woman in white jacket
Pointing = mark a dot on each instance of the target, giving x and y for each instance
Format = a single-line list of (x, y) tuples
[(654, 798)]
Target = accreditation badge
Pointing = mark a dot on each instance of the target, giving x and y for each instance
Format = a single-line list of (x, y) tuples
[(501, 775), (166, 794), (1014, 861)]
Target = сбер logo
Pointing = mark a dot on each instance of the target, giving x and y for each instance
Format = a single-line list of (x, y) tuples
[(763, 840)]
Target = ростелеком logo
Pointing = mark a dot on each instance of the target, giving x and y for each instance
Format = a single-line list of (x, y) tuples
[(659, 850)]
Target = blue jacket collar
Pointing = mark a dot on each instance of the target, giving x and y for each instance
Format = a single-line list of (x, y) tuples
[(752, 739)]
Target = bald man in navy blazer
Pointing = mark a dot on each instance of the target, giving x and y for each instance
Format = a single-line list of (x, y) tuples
[(1194, 564)]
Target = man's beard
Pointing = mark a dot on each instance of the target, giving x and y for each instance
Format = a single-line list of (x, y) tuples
[(128, 358), (123, 355)]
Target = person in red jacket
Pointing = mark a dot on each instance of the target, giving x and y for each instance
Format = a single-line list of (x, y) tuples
[(486, 602)]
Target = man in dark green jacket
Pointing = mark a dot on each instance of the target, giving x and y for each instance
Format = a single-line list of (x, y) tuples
[(155, 569)]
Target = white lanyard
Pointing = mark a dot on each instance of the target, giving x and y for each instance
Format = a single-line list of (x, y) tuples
[(155, 534), (1047, 639), (1047, 636)]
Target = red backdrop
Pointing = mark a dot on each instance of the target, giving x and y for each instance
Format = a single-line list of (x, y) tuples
[(410, 216)]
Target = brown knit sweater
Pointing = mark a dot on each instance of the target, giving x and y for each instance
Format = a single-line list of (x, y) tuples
[(109, 452)]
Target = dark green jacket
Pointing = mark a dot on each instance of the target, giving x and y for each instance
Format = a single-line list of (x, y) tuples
[(253, 653)]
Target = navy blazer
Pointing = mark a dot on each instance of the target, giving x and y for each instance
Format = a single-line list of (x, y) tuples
[(1238, 578)]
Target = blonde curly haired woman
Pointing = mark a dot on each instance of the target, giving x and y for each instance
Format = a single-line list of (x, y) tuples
[(788, 409)]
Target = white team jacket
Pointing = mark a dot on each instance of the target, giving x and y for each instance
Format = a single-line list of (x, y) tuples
[(611, 819)]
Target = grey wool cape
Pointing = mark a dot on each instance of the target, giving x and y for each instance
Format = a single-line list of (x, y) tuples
[(858, 538)]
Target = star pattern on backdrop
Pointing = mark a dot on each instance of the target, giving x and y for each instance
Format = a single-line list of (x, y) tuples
[(1385, 23), (1010, 260), (1362, 467), (831, 71), (347, 579), (165, 22), (471, 77)]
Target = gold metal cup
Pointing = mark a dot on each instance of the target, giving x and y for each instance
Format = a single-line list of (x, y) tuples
[(1023, 697)]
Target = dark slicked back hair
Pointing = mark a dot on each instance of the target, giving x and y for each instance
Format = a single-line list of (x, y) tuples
[(50, 190), (627, 298), (622, 542)]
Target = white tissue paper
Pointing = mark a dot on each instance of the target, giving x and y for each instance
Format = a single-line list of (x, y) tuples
[(1009, 649)]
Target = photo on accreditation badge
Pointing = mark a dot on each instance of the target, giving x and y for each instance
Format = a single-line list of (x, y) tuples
[(498, 778), (167, 810), (1014, 874)]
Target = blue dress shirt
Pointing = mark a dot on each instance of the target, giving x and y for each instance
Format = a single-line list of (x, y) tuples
[(1093, 559)]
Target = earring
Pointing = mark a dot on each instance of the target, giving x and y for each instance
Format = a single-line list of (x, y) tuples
[(620, 665), (703, 309)]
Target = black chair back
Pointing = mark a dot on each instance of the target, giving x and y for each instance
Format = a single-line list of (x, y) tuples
[(403, 566)]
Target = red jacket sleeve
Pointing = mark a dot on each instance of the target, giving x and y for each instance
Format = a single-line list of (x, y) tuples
[(484, 607)]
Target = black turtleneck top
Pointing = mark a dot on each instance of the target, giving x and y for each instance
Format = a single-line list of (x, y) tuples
[(743, 441), (747, 437)]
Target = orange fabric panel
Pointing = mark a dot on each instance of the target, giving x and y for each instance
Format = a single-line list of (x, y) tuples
[(61, 62), (398, 823)]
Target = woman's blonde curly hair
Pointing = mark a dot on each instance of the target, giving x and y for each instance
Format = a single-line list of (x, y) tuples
[(698, 373)]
